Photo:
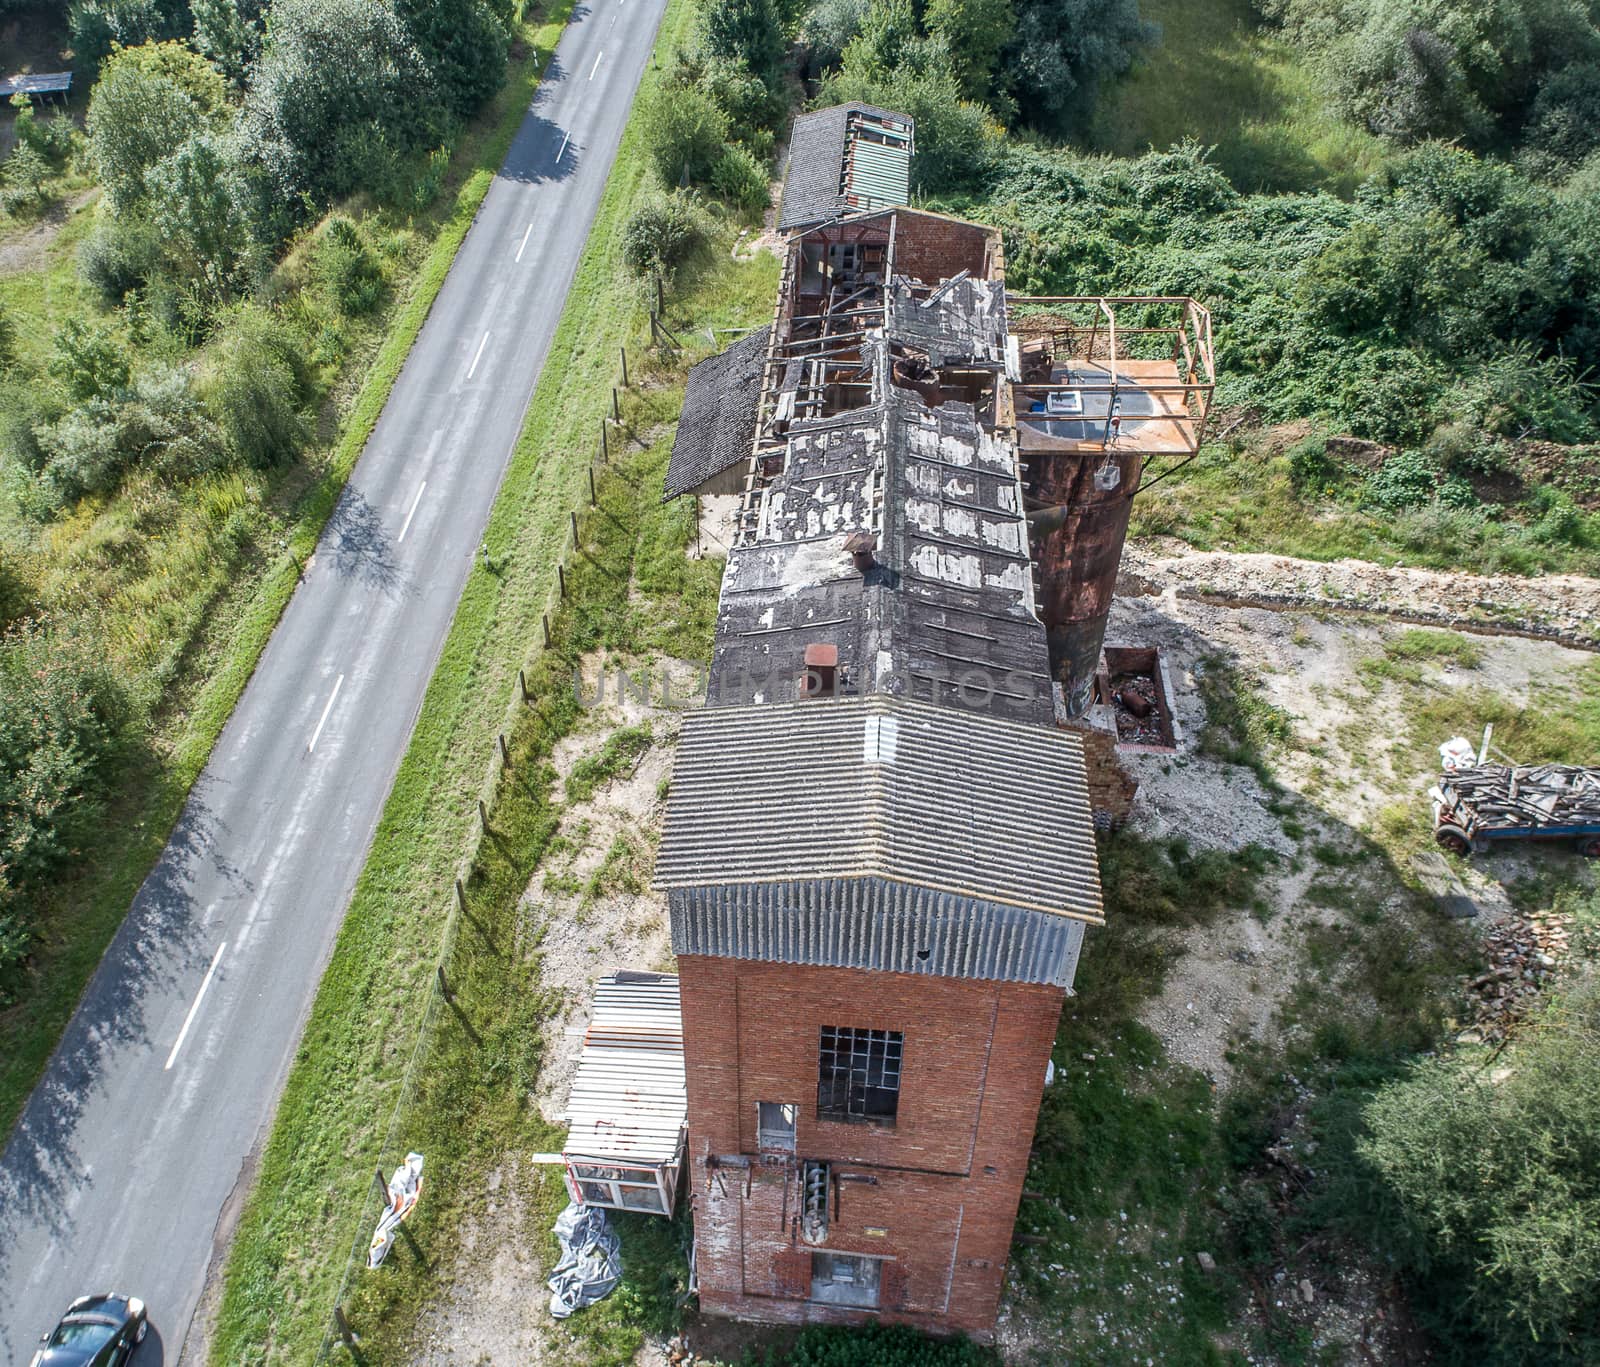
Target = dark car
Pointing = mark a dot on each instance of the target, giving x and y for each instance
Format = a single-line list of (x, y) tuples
[(96, 1331)]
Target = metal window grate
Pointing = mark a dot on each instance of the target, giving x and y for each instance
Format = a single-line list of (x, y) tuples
[(858, 1077)]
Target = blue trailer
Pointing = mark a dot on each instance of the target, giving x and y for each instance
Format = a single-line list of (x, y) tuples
[(1477, 806)]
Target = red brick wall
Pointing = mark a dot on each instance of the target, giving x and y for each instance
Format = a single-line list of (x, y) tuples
[(934, 249), (948, 1176)]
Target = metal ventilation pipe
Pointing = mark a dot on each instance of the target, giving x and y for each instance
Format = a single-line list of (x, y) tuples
[(1078, 520)]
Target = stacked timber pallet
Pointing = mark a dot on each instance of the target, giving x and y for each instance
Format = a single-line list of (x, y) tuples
[(1500, 797)]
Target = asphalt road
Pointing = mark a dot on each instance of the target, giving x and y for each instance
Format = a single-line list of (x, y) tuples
[(141, 1129)]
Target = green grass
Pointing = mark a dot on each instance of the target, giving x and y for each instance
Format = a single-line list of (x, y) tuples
[(1220, 77), (310, 1201), (221, 616), (1128, 1156), (1240, 497)]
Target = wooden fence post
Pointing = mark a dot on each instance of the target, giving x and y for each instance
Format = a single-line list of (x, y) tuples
[(561, 580), (505, 751), (547, 631), (624, 351)]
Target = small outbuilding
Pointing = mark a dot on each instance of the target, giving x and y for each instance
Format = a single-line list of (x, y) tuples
[(628, 1113)]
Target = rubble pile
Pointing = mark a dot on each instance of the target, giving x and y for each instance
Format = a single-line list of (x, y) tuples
[(1524, 954), (1138, 707)]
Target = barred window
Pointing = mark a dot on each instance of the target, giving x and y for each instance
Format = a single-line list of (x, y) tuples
[(859, 1075)]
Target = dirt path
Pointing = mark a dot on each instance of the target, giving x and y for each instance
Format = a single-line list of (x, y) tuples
[(24, 248), (1558, 607)]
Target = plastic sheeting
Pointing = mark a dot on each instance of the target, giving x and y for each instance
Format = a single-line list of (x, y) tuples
[(591, 1260)]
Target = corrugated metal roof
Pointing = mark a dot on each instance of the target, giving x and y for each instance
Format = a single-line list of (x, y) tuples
[(628, 1101), (44, 83), (952, 800)]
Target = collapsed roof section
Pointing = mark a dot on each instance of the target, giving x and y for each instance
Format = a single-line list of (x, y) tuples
[(719, 414), (850, 158), (882, 545)]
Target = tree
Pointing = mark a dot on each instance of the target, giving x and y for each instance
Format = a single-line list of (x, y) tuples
[(747, 31), (974, 32), (340, 91), (663, 232), (1063, 49), (61, 713), (205, 237), (684, 134), (148, 100), (98, 26), (828, 28), (228, 34), (464, 43)]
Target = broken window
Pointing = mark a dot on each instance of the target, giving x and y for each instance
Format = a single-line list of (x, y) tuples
[(775, 1126), (859, 1075), (844, 1279)]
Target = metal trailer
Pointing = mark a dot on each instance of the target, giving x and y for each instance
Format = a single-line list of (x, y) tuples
[(1477, 806)]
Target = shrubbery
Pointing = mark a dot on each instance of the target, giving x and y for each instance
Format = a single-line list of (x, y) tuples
[(60, 713), (664, 232), (1484, 1186)]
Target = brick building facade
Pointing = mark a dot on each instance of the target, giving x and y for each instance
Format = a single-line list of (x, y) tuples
[(879, 852)]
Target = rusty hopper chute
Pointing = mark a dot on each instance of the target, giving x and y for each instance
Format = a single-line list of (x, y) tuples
[(1098, 387)]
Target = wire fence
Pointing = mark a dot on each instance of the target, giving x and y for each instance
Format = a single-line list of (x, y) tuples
[(340, 1331)]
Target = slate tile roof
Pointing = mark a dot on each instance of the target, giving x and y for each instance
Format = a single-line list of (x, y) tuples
[(719, 414)]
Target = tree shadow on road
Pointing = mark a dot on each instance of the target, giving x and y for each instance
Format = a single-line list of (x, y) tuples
[(362, 547), (161, 941)]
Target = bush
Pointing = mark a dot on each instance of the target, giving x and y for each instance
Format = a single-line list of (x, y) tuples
[(159, 423), (89, 362), (1564, 123), (877, 1345), (258, 389), (51, 137), (662, 234), (120, 255), (348, 269), (61, 712), (1406, 480), (684, 132), (1491, 1187), (147, 101), (741, 180)]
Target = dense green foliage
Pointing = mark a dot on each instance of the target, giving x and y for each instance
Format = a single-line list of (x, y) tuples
[(662, 233), (1486, 73), (60, 712), (1483, 1184)]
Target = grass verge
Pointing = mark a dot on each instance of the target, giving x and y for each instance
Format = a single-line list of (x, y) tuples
[(92, 907)]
